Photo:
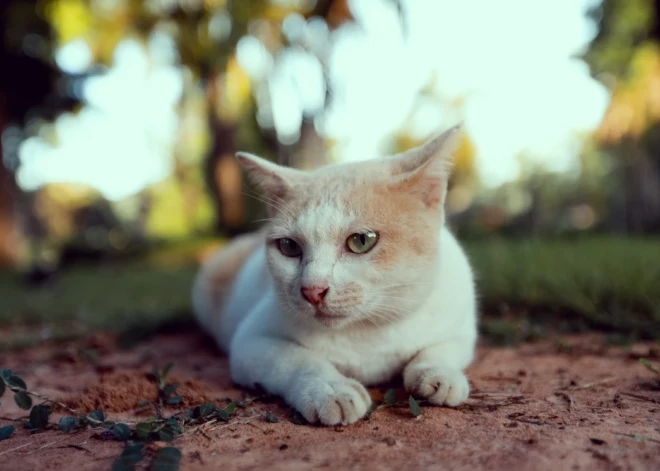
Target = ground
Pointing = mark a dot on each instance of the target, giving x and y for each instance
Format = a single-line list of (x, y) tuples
[(544, 399), (575, 403)]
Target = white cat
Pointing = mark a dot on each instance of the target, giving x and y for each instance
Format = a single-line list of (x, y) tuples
[(355, 279)]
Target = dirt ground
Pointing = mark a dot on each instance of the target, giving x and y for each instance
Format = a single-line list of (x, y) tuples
[(577, 404)]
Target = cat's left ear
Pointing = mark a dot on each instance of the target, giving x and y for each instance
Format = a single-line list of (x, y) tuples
[(274, 180), (426, 169)]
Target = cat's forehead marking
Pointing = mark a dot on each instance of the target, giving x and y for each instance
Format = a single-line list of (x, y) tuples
[(324, 219)]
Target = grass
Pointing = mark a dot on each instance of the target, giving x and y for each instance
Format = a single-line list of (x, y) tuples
[(526, 287), (82, 299), (605, 283)]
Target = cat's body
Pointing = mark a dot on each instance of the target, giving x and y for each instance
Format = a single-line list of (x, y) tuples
[(310, 312)]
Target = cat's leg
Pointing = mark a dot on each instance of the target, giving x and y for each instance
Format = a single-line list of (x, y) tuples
[(305, 380), (436, 372)]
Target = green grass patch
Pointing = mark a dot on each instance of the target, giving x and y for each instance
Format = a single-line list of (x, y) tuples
[(84, 298), (579, 284), (527, 287)]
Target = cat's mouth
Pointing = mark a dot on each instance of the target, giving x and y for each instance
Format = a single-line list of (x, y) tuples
[(326, 318)]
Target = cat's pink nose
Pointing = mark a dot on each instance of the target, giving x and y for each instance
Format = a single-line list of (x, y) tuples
[(314, 294)]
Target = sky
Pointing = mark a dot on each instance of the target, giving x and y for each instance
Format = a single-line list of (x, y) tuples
[(510, 61)]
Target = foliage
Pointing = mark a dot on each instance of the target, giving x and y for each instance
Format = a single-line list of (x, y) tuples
[(158, 428), (586, 282), (595, 282), (623, 26)]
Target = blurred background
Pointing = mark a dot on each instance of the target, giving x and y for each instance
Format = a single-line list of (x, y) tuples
[(120, 119)]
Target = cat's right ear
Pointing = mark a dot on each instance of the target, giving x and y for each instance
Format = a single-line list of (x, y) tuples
[(274, 180)]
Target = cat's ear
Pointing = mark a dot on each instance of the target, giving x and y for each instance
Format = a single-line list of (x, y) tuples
[(426, 169), (274, 180)]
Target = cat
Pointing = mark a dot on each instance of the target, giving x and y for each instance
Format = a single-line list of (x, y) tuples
[(354, 280)]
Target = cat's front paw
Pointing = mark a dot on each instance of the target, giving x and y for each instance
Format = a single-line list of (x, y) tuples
[(441, 386), (338, 401)]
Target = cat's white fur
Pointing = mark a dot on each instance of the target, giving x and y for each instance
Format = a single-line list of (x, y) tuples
[(406, 307)]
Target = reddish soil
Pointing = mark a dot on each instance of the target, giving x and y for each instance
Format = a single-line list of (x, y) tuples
[(577, 405)]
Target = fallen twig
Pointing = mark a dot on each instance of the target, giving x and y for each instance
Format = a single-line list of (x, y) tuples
[(77, 447), (591, 385), (10, 419), (507, 401), (47, 399), (528, 421), (630, 435), (16, 448), (49, 445), (243, 421), (567, 397), (640, 397)]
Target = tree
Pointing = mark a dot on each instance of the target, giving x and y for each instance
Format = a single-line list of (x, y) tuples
[(626, 54)]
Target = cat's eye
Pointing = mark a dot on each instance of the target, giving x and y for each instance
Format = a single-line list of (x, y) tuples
[(289, 247), (361, 242)]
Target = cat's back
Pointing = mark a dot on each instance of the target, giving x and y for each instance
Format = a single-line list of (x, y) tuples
[(218, 278)]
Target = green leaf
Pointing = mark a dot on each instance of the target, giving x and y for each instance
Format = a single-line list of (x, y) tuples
[(156, 373), (166, 434), (170, 389), (271, 418), (390, 397), (647, 364), (131, 455), (174, 400), (143, 430), (39, 416), (188, 415), (67, 424), (121, 432), (108, 424), (175, 427), (231, 408), (6, 373), (205, 409), (298, 419), (223, 415), (414, 407), (166, 370), (23, 400), (16, 382), (5, 432), (97, 417), (167, 459), (2, 387)]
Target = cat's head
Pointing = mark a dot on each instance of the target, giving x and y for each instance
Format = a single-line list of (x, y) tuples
[(356, 242)]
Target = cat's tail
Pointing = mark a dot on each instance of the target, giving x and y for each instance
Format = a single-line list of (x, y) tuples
[(213, 283)]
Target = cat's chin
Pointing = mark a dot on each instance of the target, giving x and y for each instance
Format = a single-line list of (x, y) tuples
[(330, 320)]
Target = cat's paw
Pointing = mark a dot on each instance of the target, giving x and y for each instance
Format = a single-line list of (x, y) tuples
[(333, 402), (441, 386)]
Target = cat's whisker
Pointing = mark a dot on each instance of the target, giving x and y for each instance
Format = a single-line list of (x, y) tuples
[(281, 207), (270, 220), (380, 316), (401, 298), (391, 310), (402, 285)]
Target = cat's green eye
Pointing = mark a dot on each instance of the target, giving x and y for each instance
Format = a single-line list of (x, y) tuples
[(289, 247), (361, 242)]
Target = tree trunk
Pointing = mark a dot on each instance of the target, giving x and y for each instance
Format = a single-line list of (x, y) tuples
[(10, 234), (223, 177)]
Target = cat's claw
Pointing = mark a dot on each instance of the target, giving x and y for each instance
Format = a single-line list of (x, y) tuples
[(339, 401), (444, 387)]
